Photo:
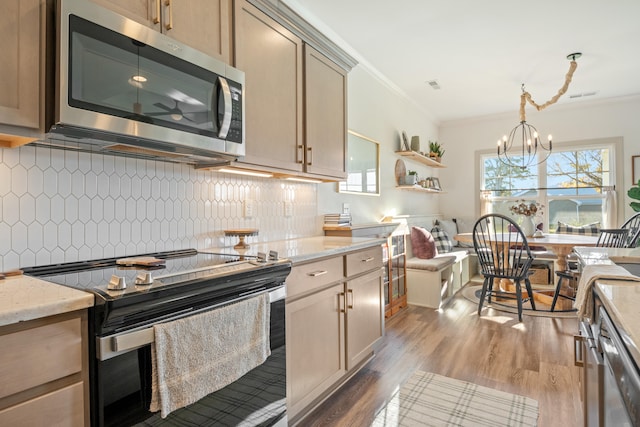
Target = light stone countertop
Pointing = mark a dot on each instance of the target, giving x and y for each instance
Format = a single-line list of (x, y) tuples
[(592, 255), (304, 249), (621, 299), (25, 298)]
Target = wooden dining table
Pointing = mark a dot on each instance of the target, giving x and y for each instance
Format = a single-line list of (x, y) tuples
[(559, 244)]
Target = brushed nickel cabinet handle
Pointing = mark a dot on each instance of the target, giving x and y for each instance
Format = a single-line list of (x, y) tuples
[(341, 297), (299, 154), (170, 10), (156, 19), (578, 357), (309, 156), (317, 273), (368, 259), (350, 292)]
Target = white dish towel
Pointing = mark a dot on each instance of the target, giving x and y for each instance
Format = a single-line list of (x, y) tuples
[(197, 355), (588, 276)]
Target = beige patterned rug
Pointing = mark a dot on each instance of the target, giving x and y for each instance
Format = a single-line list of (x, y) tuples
[(428, 399)]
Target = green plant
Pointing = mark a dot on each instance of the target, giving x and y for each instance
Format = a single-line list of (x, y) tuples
[(412, 173), (634, 193), (435, 148)]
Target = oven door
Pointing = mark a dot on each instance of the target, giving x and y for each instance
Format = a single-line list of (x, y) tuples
[(121, 385)]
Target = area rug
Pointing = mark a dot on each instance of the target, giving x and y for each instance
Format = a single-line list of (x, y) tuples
[(428, 399), (563, 306)]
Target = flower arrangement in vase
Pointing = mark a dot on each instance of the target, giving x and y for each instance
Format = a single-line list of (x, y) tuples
[(528, 210)]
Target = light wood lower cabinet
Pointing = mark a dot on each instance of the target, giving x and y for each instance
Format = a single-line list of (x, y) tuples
[(43, 371), (315, 346), (364, 316), (334, 317)]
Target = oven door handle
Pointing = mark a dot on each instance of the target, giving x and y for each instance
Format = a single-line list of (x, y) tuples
[(133, 340), (114, 345)]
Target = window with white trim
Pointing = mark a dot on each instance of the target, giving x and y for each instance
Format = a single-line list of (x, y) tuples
[(570, 185)]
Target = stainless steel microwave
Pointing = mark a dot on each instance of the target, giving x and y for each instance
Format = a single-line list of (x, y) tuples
[(126, 87)]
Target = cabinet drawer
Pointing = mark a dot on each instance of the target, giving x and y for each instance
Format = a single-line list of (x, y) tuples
[(307, 277), (36, 356), (64, 407), (365, 260)]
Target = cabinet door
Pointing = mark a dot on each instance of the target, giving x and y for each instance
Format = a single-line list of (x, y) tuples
[(365, 316), (325, 115), (146, 12), (63, 407), (271, 57), (202, 24), (315, 346), (20, 29)]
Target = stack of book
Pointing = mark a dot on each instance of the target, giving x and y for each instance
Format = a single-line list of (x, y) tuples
[(338, 219)]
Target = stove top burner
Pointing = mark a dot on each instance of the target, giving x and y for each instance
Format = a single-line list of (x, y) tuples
[(108, 278)]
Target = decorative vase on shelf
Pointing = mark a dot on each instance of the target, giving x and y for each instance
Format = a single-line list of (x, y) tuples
[(528, 226), (415, 144)]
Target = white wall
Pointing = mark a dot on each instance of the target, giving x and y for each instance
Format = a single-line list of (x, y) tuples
[(381, 113), (571, 122)]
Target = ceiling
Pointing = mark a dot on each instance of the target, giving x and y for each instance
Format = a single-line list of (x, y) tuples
[(480, 52)]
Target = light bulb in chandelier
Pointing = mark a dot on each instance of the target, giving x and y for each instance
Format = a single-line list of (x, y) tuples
[(520, 148)]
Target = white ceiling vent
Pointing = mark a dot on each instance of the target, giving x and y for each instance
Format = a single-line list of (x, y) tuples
[(434, 84), (582, 95)]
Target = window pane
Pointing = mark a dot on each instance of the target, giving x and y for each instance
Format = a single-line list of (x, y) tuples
[(575, 212), (569, 170), (506, 180)]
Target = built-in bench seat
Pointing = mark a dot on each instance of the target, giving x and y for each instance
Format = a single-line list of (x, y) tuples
[(430, 282)]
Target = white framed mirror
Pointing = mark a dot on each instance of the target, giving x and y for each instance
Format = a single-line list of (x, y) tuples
[(363, 165)]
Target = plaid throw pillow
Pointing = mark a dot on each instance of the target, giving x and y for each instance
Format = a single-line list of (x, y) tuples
[(444, 243), (587, 230)]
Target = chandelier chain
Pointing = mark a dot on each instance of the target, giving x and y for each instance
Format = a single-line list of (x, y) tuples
[(526, 96)]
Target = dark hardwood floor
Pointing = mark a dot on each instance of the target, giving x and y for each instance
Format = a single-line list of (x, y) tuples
[(533, 358)]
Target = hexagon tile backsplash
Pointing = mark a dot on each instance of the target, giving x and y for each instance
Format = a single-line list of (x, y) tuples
[(60, 206)]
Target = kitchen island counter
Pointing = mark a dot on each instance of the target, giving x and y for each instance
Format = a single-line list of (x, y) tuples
[(24, 298)]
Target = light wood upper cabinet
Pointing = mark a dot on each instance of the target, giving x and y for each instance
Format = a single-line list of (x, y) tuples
[(296, 99), (20, 44), (202, 24), (325, 115), (271, 57)]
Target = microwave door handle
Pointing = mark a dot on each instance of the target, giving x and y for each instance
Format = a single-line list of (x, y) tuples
[(226, 117)]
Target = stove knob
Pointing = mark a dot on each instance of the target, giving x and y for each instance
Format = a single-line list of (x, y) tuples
[(116, 283), (143, 279)]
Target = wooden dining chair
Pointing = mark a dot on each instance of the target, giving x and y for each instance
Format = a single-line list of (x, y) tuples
[(502, 255), (608, 238), (633, 225)]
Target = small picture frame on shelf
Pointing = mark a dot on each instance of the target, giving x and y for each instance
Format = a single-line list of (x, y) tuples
[(404, 142), (435, 184)]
